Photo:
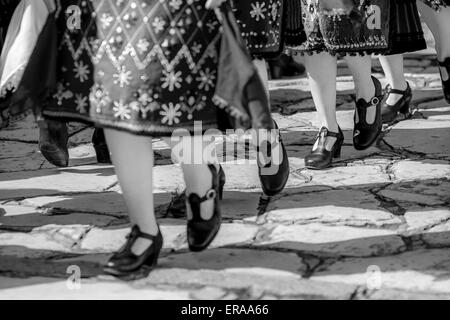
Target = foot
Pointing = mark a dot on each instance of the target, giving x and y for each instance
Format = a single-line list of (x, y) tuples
[(368, 122), (140, 251), (53, 139), (323, 153), (202, 227), (395, 101), (273, 177)]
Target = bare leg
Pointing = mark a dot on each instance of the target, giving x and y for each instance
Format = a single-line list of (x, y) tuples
[(261, 67), (322, 72), (361, 68), (135, 175), (394, 71), (197, 175), (439, 24)]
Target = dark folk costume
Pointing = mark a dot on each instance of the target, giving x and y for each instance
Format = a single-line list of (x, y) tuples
[(147, 67), (437, 4), (354, 27), (262, 25)]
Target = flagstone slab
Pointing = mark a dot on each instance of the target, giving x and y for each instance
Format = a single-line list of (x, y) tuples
[(425, 170), (420, 219), (438, 236), (59, 239), (17, 218), (110, 240), (353, 175), (103, 203), (427, 193), (336, 207), (331, 240), (255, 286), (429, 137), (238, 260), (57, 181), (422, 270), (92, 289)]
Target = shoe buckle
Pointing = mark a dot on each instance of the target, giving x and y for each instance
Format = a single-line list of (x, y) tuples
[(375, 101), (211, 194)]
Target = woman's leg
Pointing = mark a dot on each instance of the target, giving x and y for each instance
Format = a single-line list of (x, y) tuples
[(261, 68), (197, 175), (395, 76), (439, 24), (322, 72), (135, 175)]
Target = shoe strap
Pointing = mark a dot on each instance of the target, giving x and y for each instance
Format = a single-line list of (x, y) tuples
[(390, 90), (195, 200), (136, 233), (324, 132)]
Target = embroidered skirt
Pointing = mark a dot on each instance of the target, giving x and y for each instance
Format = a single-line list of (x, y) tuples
[(406, 34), (262, 25), (148, 67), (350, 27), (437, 4)]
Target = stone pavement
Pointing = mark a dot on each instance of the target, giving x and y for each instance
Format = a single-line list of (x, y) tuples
[(376, 225)]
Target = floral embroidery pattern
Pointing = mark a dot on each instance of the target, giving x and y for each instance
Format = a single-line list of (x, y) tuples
[(139, 62)]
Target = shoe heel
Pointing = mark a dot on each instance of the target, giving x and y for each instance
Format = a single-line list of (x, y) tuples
[(406, 109), (102, 153), (337, 153), (221, 192)]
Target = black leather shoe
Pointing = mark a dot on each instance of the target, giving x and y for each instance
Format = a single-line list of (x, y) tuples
[(200, 232), (321, 158), (177, 207), (275, 183), (365, 134), (390, 112), (125, 262), (444, 69), (100, 146), (53, 138)]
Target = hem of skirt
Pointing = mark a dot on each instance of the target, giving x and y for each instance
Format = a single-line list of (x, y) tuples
[(310, 52), (136, 129)]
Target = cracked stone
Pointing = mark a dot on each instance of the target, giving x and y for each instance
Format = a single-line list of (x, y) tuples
[(58, 181), (332, 240), (357, 175), (408, 170), (438, 236), (110, 240), (422, 270), (276, 286), (108, 203), (239, 260), (208, 293), (25, 219), (337, 207), (429, 137), (420, 219), (428, 192), (55, 289), (234, 173), (36, 241)]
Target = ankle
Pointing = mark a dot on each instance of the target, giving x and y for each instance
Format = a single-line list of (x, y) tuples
[(151, 230), (331, 127), (366, 93), (399, 85)]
